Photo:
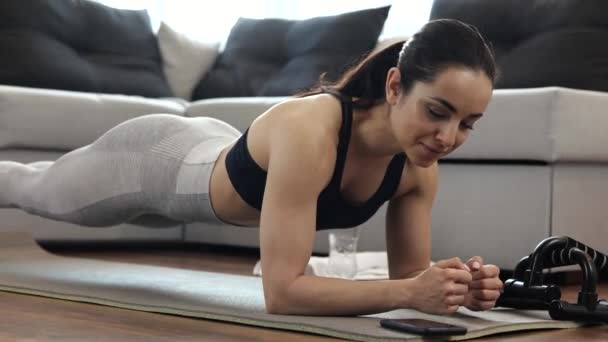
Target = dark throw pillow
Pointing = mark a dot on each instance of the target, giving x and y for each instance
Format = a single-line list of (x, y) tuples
[(79, 45), (278, 57), (540, 43)]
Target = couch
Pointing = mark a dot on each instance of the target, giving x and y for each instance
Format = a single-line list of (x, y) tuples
[(534, 167)]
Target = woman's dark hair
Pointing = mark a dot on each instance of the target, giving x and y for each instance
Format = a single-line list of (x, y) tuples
[(438, 44)]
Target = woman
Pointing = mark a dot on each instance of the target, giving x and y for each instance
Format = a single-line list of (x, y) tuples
[(327, 159)]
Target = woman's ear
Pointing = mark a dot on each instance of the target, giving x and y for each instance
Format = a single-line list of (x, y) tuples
[(393, 85)]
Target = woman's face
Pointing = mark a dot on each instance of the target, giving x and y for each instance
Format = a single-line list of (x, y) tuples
[(437, 117)]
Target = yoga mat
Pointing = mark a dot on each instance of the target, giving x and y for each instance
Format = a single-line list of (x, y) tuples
[(27, 268)]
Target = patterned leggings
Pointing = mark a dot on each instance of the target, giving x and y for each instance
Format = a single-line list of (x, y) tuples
[(157, 164)]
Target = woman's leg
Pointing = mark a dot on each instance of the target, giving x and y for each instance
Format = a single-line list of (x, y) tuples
[(134, 169)]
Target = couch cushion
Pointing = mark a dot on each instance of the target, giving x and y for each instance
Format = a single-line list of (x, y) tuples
[(79, 45), (65, 120), (278, 57), (237, 111), (540, 43)]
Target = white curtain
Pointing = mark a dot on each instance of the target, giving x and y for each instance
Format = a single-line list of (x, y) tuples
[(211, 21)]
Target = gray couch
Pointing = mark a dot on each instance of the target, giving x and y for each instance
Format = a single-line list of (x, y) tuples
[(535, 166)]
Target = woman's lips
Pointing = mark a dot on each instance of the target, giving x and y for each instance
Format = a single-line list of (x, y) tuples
[(432, 150)]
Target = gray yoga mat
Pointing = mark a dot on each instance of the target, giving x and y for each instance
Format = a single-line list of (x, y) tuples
[(27, 268)]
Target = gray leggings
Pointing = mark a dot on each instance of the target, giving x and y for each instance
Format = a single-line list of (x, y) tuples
[(158, 164)]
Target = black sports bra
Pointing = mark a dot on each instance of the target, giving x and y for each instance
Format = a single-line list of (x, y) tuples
[(333, 211)]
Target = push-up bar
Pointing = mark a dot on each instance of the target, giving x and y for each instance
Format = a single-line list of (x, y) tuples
[(527, 288)]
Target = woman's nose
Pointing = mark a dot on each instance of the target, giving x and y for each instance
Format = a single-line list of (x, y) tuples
[(446, 135)]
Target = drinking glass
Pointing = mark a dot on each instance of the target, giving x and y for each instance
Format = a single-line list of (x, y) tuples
[(343, 253)]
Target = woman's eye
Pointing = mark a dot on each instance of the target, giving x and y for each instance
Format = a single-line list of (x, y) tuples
[(435, 113), (467, 126)]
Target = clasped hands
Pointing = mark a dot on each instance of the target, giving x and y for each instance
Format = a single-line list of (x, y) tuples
[(450, 284)]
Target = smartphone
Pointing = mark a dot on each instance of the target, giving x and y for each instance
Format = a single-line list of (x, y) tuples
[(423, 327)]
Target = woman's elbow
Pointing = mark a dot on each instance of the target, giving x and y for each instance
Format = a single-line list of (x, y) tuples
[(273, 307), (276, 299), (276, 304)]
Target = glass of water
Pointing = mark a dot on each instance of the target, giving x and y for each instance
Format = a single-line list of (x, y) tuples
[(343, 253)]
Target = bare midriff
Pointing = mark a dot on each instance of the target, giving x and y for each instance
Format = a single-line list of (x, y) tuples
[(226, 202)]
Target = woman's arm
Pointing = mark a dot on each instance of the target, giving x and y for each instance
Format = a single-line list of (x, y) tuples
[(408, 233), (301, 164), (441, 288), (408, 223)]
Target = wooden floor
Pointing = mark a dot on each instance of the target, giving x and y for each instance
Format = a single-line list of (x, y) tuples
[(31, 318)]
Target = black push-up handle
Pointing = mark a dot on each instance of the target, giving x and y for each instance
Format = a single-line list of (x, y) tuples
[(527, 289)]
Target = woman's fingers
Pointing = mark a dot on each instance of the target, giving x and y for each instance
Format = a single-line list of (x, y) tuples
[(486, 283), (485, 295), (481, 305), (475, 263), (454, 300), (486, 271), (452, 263)]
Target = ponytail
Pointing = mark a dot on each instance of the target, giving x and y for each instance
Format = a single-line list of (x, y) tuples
[(365, 81)]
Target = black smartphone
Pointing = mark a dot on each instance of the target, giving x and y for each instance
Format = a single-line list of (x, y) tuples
[(423, 327)]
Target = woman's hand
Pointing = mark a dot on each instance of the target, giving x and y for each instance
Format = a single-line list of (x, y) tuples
[(486, 286), (441, 289)]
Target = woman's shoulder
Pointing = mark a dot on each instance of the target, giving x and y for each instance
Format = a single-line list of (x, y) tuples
[(304, 139), (309, 125), (321, 111), (316, 118)]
